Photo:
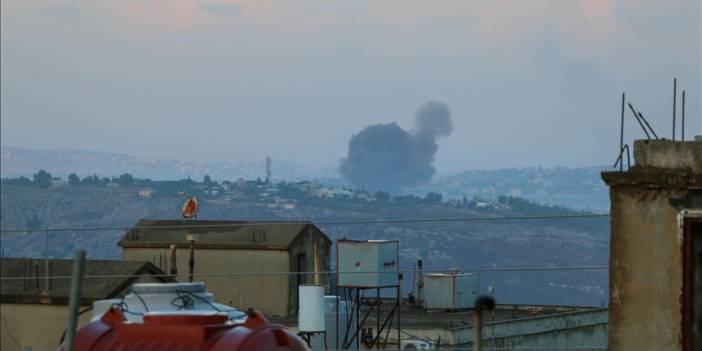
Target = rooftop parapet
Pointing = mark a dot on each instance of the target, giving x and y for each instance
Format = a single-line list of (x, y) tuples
[(662, 163), (669, 154)]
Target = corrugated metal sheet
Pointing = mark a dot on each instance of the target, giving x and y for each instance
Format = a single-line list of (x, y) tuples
[(215, 234)]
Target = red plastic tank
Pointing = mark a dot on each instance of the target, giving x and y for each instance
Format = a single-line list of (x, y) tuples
[(181, 332)]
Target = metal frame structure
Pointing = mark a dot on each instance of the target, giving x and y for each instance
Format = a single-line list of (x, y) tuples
[(307, 337), (353, 296)]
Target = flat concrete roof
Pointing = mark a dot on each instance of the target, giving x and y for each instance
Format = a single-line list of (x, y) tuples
[(418, 318)]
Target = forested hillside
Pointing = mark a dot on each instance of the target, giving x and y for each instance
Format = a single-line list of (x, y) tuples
[(485, 243)]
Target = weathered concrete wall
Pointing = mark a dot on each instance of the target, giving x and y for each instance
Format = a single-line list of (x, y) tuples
[(267, 293), (582, 330), (645, 270), (40, 326), (668, 154), (33, 325)]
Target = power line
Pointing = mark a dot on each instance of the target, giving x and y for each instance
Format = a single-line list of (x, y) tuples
[(245, 274), (9, 333), (340, 222), (511, 348)]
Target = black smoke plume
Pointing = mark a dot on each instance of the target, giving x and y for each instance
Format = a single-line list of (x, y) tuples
[(386, 157)]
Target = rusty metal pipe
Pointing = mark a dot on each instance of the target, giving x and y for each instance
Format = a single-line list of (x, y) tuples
[(675, 95), (191, 261), (481, 303), (174, 266)]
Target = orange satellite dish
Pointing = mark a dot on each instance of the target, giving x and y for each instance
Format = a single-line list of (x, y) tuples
[(190, 208)]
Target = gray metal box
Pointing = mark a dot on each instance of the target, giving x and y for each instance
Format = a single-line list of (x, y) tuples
[(367, 264), (452, 291)]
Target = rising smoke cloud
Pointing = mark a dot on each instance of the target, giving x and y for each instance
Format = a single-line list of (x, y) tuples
[(388, 158)]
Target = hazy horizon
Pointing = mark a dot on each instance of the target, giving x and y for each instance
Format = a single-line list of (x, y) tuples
[(529, 83), (288, 163)]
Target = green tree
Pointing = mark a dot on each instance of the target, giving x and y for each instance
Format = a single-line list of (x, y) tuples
[(125, 180), (433, 198), (382, 196), (207, 181), (42, 179), (17, 181), (73, 179)]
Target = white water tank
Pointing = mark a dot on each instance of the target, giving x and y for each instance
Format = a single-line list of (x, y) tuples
[(164, 297), (310, 317)]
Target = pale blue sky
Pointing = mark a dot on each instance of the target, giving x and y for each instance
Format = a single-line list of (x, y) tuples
[(529, 82)]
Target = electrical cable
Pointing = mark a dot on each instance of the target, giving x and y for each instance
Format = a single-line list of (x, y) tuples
[(12, 337), (192, 295), (187, 302), (146, 308), (245, 274), (340, 222), (124, 307), (63, 336)]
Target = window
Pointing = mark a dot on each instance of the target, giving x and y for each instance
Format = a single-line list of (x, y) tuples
[(302, 267), (692, 284)]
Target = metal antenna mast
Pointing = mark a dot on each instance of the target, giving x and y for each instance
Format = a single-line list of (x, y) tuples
[(268, 169)]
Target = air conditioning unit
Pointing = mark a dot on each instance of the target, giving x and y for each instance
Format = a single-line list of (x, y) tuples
[(412, 345)]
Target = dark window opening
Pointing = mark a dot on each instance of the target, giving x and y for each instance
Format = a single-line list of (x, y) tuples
[(692, 285), (301, 267)]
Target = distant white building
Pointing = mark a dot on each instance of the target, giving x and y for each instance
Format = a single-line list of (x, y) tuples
[(58, 183), (145, 192)]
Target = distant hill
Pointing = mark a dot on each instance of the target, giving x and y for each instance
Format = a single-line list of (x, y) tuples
[(442, 245), (25, 162), (577, 188)]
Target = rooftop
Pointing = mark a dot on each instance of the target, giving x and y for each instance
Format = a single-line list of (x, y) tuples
[(269, 235), (662, 163), (34, 289), (418, 318)]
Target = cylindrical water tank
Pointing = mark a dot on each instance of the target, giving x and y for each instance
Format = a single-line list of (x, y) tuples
[(311, 304), (185, 330)]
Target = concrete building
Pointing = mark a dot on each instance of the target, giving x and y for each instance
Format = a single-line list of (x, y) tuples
[(233, 257), (579, 330), (512, 327), (35, 309), (655, 274)]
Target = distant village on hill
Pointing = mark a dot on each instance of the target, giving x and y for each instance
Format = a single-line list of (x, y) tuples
[(287, 195), (575, 188), (122, 201)]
